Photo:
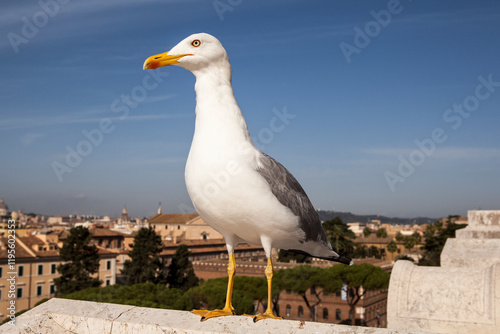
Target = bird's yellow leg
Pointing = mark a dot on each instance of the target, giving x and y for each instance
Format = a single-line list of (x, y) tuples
[(228, 308), (268, 314)]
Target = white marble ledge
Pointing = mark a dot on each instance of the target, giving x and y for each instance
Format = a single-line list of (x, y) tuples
[(58, 316)]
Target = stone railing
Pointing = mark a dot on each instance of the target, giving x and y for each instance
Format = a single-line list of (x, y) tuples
[(58, 316), (461, 296)]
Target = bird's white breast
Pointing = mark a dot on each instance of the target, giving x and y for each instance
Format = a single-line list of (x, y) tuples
[(225, 188)]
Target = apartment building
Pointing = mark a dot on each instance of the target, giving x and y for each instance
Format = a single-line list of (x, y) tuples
[(36, 261)]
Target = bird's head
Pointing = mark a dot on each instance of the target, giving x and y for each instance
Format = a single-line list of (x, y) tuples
[(195, 53)]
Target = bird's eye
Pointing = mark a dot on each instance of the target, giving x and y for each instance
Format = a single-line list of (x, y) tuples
[(196, 43)]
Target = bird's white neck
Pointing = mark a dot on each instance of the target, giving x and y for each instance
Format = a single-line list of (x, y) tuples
[(217, 112)]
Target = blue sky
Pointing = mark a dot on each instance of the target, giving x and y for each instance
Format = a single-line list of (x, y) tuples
[(395, 105)]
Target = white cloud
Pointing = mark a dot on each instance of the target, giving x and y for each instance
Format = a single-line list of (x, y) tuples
[(73, 19), (151, 99), (469, 153), (29, 138), (444, 153), (24, 123), (463, 16)]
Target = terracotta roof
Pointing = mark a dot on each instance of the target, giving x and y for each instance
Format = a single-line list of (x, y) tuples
[(20, 251), (104, 251), (63, 234), (29, 242), (173, 218), (104, 232), (32, 240)]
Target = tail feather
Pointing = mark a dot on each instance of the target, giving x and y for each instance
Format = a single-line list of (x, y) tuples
[(344, 259), (336, 258)]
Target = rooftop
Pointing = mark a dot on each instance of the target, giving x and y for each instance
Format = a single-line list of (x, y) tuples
[(172, 218), (105, 232)]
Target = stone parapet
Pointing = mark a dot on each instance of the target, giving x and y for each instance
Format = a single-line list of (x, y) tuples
[(483, 224), (444, 300), (58, 316), (477, 245), (470, 253), (461, 296)]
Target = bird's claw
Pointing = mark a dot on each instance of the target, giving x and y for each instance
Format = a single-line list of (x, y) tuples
[(205, 314), (265, 315)]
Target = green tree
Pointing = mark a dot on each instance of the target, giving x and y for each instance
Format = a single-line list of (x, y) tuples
[(358, 279), (145, 264), (392, 247), (435, 237), (81, 262), (181, 272), (399, 236), (367, 232), (417, 237), (375, 252), (305, 279), (411, 241), (360, 251), (381, 232), (339, 234)]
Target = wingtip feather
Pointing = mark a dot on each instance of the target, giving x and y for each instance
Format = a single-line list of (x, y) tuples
[(344, 259)]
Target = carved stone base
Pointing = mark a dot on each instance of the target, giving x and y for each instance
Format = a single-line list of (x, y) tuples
[(461, 296)]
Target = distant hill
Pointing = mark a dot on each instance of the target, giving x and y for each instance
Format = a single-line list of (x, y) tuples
[(348, 217)]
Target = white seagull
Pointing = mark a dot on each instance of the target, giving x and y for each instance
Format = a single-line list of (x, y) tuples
[(244, 194)]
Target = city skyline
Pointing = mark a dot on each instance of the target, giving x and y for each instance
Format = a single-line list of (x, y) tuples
[(376, 107)]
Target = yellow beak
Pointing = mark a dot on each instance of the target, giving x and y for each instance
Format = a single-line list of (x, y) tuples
[(162, 59)]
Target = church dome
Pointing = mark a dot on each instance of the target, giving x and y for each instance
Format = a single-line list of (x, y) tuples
[(124, 217)]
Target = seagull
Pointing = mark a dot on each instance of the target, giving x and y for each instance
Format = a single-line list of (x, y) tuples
[(241, 192)]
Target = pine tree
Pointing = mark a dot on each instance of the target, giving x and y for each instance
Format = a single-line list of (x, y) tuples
[(180, 272), (435, 238), (145, 264), (82, 261), (392, 247), (340, 236), (310, 283), (381, 233), (358, 279)]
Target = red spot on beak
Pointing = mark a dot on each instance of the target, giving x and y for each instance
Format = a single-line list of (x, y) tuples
[(154, 65)]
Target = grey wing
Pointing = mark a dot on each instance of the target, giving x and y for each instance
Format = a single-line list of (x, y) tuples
[(289, 192)]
